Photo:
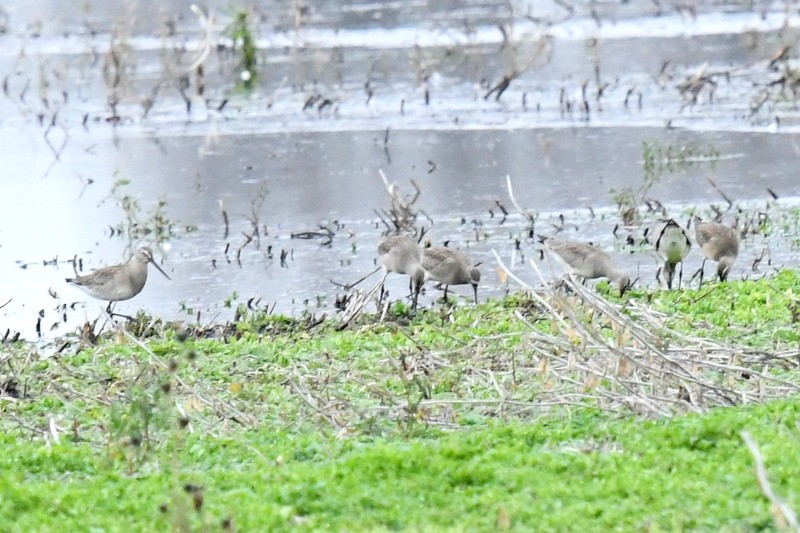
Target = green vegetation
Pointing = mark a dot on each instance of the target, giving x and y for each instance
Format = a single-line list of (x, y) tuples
[(535, 412), (762, 314), (580, 473), (658, 160), (245, 44), (137, 225)]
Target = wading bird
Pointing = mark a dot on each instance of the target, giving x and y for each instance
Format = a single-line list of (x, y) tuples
[(673, 245), (450, 267), (589, 262), (402, 254), (118, 282), (719, 243)]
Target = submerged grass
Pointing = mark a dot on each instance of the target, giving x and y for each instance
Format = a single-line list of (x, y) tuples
[(501, 416)]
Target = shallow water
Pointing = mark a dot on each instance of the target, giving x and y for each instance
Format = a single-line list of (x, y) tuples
[(270, 161)]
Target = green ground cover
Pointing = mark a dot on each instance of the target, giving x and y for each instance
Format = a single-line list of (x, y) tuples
[(551, 412)]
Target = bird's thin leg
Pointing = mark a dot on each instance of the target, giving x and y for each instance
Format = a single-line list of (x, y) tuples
[(475, 289), (699, 273), (702, 272), (445, 292), (680, 276), (382, 282), (110, 311), (112, 314), (417, 287)]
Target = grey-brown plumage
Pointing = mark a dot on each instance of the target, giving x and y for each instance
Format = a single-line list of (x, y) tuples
[(673, 245), (118, 282), (402, 254), (719, 243), (450, 267), (589, 262)]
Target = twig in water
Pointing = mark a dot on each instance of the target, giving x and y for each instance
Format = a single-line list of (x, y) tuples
[(348, 286), (402, 214), (716, 188), (324, 232), (386, 147), (501, 86), (224, 219), (206, 21), (247, 240), (527, 214)]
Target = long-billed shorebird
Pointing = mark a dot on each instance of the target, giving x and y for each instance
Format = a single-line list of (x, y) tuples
[(673, 245), (402, 254), (450, 267), (589, 262), (118, 282), (719, 243)]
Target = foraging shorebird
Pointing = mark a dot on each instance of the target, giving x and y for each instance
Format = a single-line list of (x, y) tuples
[(401, 254), (118, 282), (673, 245), (719, 243), (589, 262), (450, 267)]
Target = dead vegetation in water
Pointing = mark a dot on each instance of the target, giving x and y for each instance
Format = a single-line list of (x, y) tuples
[(772, 85), (402, 217), (205, 64)]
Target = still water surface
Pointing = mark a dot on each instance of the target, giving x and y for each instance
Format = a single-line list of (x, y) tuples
[(265, 159)]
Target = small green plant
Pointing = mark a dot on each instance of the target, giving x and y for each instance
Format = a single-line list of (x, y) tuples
[(659, 159), (154, 224), (244, 43), (627, 204), (139, 420), (186, 308), (228, 302), (401, 308)]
